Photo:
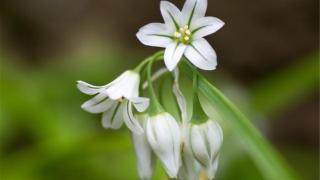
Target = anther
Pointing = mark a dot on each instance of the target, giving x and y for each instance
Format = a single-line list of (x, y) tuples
[(177, 34), (188, 32)]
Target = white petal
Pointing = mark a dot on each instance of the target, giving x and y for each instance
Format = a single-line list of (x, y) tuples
[(112, 118), (202, 55), (171, 15), (131, 122), (194, 9), (215, 137), (205, 26), (144, 155), (98, 104), (190, 168), (182, 103), (155, 34), (140, 103), (199, 145), (88, 88), (127, 86), (212, 169), (91, 89), (173, 54)]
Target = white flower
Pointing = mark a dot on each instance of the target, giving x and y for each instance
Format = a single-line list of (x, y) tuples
[(190, 168), (115, 101), (182, 34), (205, 142), (144, 155), (163, 134)]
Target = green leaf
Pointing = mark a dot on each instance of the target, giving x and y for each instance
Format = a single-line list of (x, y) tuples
[(267, 159)]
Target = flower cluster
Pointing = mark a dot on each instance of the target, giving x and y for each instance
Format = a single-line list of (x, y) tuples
[(186, 146)]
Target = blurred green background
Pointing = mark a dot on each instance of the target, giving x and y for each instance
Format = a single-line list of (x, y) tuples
[(268, 65)]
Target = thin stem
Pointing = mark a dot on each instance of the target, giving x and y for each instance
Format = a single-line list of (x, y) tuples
[(147, 60), (141, 67), (198, 114), (155, 106)]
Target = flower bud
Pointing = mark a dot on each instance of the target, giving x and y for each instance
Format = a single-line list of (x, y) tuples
[(163, 134), (190, 168), (205, 141)]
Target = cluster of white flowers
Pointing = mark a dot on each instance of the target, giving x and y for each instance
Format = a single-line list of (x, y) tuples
[(186, 147)]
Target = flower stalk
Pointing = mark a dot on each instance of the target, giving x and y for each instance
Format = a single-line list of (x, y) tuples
[(155, 106), (198, 114)]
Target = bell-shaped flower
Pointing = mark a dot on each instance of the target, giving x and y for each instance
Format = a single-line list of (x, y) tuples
[(163, 134), (144, 154), (190, 168), (115, 101), (205, 141), (183, 33)]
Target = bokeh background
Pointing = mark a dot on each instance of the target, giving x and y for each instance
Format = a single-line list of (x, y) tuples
[(268, 65)]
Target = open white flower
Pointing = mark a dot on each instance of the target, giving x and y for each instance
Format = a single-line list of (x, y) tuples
[(144, 154), (115, 101), (205, 141), (163, 134), (182, 34)]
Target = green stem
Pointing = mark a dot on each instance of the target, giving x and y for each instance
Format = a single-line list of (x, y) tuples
[(155, 57), (198, 114), (147, 60), (155, 106)]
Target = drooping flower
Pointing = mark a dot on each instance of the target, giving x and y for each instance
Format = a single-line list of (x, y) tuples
[(205, 142), (190, 168), (163, 134), (182, 34), (115, 101), (144, 154)]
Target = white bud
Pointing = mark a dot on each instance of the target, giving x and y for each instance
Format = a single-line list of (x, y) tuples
[(163, 134), (205, 142), (212, 169), (190, 168)]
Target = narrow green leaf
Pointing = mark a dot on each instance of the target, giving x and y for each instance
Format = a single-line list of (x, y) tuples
[(267, 159)]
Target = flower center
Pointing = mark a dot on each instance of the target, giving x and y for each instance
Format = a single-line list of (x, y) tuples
[(183, 35)]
